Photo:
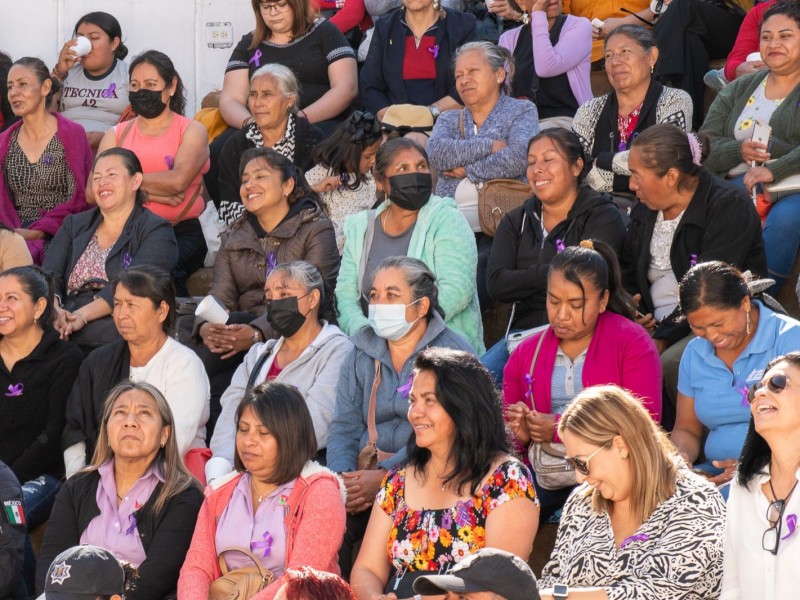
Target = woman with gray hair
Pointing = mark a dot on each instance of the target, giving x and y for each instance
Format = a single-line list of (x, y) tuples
[(307, 355), (136, 498), (273, 101), (369, 430)]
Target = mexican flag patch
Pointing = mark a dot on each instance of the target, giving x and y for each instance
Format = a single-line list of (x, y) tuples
[(14, 512)]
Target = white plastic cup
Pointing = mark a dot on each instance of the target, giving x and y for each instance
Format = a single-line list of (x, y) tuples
[(754, 57), (212, 311), (597, 23), (83, 46)]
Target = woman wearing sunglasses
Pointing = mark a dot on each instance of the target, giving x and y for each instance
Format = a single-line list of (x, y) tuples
[(761, 526), (641, 525), (737, 336)]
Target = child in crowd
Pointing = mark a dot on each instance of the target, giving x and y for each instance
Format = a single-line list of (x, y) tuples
[(343, 172)]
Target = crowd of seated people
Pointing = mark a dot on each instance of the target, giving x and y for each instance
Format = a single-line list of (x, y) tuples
[(348, 425)]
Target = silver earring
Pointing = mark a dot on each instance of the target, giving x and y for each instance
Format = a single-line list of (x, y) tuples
[(435, 4), (525, 18), (747, 324)]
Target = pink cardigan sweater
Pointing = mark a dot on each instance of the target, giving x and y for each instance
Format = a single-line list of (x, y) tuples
[(315, 524), (79, 161), (621, 353)]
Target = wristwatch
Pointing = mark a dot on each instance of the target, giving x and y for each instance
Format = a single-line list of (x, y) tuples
[(435, 111), (256, 337), (560, 591)]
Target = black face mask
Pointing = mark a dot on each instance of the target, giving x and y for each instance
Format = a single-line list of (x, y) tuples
[(284, 316), (411, 190), (147, 103)]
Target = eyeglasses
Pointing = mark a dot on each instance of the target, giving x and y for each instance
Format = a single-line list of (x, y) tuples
[(772, 536), (775, 384), (273, 8), (581, 465)]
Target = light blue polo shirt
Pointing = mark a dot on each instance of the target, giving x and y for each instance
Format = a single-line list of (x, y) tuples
[(720, 397)]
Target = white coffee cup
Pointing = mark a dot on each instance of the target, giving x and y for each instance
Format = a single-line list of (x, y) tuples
[(754, 56), (82, 47), (210, 309)]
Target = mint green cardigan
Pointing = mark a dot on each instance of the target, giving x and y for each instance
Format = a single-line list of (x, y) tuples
[(443, 240), (721, 120)]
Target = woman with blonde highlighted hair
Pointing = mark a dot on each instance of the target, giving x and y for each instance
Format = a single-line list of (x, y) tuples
[(640, 525), (136, 497)]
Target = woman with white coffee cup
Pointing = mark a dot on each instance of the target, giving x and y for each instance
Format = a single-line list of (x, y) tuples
[(95, 75)]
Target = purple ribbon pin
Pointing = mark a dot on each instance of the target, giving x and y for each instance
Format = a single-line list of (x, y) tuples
[(256, 58), (272, 263), (126, 260), (404, 389), (743, 389), (170, 161), (560, 246), (435, 51), (15, 390), (529, 384), (692, 260), (791, 524), (110, 92), (266, 544), (636, 537), (48, 159), (132, 528)]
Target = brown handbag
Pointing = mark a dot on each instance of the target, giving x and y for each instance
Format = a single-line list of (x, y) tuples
[(239, 584), (370, 455), (496, 197)]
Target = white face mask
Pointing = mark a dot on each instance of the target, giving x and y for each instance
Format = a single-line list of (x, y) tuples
[(389, 320)]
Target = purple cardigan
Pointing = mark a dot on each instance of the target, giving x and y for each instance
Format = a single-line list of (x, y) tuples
[(570, 54), (621, 353), (79, 161)]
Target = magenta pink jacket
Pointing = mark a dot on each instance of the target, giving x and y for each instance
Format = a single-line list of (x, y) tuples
[(315, 525), (79, 161), (621, 352)]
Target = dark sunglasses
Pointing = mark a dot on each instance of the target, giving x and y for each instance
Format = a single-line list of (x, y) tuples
[(775, 384), (581, 465), (772, 536)]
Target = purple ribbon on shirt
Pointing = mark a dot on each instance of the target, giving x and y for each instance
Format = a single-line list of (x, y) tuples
[(435, 51), (529, 382), (48, 159), (14, 390), (272, 263), (169, 160), (266, 544), (132, 528), (636, 537), (110, 92), (256, 58), (743, 389), (560, 246), (692, 260), (404, 389), (791, 524), (126, 260)]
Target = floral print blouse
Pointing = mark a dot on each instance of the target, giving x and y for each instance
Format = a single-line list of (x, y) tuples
[(434, 540)]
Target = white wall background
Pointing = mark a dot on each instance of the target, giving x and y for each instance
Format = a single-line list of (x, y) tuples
[(175, 27)]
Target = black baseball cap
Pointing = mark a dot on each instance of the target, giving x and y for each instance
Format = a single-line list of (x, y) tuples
[(83, 572), (488, 570)]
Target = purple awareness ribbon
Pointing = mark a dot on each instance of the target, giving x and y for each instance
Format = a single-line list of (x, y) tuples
[(791, 524), (636, 537), (692, 260), (743, 390), (256, 58), (272, 263), (404, 389), (266, 544), (435, 51), (169, 160), (560, 246), (110, 92), (529, 383), (132, 528), (48, 159), (126, 260), (14, 390)]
